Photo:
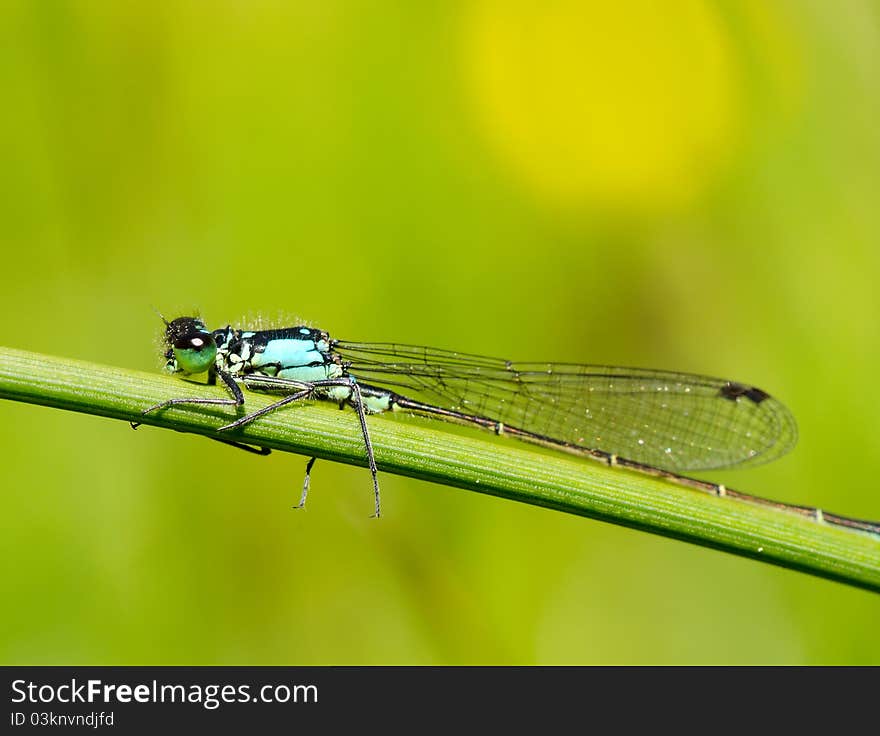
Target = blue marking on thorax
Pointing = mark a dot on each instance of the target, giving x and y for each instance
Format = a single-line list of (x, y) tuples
[(296, 359), (311, 373), (288, 353)]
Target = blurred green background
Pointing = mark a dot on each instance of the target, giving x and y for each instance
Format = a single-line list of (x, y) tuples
[(688, 185)]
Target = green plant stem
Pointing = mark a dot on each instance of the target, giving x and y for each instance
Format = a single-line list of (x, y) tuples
[(494, 466)]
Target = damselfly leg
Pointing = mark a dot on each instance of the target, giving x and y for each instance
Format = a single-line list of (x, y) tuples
[(301, 390)]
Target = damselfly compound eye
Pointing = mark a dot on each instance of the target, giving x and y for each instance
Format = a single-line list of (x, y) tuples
[(192, 344)]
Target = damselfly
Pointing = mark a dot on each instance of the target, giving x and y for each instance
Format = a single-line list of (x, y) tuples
[(660, 423)]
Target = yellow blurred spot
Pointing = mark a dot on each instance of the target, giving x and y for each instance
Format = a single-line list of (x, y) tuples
[(631, 105)]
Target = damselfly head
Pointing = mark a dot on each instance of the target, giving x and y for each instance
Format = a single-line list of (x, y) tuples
[(190, 347)]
